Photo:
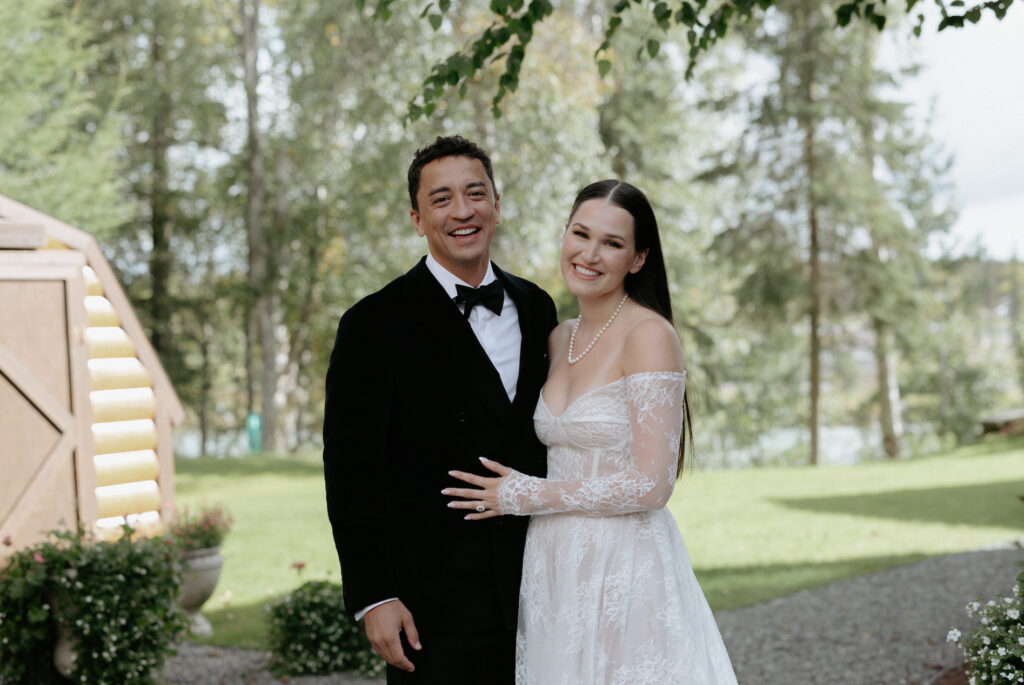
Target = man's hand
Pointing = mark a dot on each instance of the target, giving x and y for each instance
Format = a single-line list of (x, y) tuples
[(384, 624)]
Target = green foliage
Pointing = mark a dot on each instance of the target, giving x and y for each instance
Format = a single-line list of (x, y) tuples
[(995, 649), (58, 139), (312, 634), (201, 530), (706, 23), (159, 78), (115, 600)]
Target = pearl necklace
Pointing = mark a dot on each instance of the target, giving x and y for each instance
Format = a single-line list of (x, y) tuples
[(579, 321)]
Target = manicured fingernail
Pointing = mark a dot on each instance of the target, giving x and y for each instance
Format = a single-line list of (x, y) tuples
[(484, 459), (445, 491), (451, 473), (451, 504), (418, 646)]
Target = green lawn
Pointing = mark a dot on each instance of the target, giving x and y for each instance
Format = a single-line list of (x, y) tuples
[(752, 534)]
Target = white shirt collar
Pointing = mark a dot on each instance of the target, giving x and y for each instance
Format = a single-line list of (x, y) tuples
[(448, 280)]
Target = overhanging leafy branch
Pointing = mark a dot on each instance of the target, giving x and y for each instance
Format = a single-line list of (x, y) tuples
[(707, 21)]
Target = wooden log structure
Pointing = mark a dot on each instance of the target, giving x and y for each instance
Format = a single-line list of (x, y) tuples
[(86, 409)]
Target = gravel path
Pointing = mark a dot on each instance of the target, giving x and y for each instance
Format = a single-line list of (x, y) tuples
[(885, 628)]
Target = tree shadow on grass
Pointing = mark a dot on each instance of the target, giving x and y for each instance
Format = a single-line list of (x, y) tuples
[(736, 586), (984, 504), (250, 466)]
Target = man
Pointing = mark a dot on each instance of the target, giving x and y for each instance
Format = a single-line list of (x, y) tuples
[(440, 367)]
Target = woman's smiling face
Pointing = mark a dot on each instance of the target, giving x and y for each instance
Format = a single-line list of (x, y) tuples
[(598, 249)]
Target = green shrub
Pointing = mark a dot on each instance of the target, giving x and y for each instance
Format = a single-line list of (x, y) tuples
[(995, 649), (311, 634), (115, 600)]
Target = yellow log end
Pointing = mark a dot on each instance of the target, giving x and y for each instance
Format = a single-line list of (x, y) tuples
[(146, 524), (126, 467), (108, 342), (92, 281), (124, 436), (124, 404), (127, 498), (101, 312), (120, 372)]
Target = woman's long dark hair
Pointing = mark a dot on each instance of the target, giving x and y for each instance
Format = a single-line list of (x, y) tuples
[(648, 286)]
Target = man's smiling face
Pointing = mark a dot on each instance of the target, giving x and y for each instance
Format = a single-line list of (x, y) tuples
[(458, 210)]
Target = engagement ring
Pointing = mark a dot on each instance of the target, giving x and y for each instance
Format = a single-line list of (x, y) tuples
[(481, 508)]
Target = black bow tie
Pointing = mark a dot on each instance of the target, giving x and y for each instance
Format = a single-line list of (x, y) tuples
[(491, 296)]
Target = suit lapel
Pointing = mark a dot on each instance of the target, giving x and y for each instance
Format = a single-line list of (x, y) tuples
[(530, 363), (441, 329)]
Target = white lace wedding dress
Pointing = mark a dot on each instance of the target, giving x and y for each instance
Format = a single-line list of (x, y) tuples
[(608, 593)]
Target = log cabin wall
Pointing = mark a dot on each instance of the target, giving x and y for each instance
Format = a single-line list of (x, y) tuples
[(117, 408)]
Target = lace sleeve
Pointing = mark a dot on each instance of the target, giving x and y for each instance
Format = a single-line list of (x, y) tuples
[(656, 418)]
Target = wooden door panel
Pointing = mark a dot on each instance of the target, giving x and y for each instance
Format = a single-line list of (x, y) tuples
[(38, 433), (27, 436), (33, 327)]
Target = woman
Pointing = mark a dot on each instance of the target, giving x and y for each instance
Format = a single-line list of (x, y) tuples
[(608, 593)]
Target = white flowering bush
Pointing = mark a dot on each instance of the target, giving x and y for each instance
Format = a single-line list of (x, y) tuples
[(311, 634), (995, 650), (114, 600)]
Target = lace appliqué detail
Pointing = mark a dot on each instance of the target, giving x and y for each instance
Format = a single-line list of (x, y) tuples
[(519, 493), (608, 595), (634, 470)]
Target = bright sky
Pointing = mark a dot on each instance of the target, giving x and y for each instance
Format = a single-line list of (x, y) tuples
[(975, 77)]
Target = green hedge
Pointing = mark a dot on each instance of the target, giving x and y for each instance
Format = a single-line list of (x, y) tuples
[(311, 634), (115, 600)]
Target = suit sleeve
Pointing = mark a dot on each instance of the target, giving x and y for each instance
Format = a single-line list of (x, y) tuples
[(550, 315), (357, 401)]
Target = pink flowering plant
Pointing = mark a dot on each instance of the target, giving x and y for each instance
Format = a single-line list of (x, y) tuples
[(995, 649), (201, 530), (115, 601)]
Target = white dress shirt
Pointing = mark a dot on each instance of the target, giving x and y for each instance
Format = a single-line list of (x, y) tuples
[(499, 335)]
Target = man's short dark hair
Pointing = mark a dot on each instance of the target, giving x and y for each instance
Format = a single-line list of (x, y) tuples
[(445, 146)]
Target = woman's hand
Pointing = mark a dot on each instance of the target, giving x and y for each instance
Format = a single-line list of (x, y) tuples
[(482, 502)]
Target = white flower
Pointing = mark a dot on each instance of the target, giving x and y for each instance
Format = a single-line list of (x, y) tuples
[(1013, 613), (1001, 651), (954, 635)]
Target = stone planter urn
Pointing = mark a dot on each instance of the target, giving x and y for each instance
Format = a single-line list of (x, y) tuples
[(64, 654), (198, 581)]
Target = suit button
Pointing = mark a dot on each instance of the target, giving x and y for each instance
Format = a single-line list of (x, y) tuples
[(460, 416)]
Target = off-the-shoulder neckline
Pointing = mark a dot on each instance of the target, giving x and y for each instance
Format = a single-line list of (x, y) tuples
[(603, 386)]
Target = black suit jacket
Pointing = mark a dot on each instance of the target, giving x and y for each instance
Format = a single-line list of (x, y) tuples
[(411, 395)]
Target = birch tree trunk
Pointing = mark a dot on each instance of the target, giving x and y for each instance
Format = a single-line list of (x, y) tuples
[(809, 124), (159, 211), (890, 413), (262, 278)]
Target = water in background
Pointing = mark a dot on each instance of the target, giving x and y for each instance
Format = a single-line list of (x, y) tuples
[(839, 446)]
